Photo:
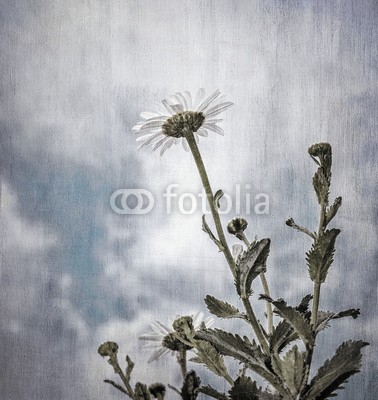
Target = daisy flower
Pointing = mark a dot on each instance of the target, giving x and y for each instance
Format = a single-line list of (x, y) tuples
[(162, 339), (165, 126)]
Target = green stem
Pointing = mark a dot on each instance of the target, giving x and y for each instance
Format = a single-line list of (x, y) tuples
[(317, 284), (226, 251), (181, 358), (264, 283), (210, 197), (255, 324)]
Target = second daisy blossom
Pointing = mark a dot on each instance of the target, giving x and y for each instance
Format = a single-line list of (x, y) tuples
[(166, 126)]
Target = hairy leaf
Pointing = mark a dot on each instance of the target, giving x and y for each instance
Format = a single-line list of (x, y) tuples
[(325, 316), (250, 264), (208, 355), (218, 195), (232, 345), (209, 391), (320, 257), (243, 350), (297, 320), (332, 211), (321, 153), (244, 389), (291, 369), (345, 363), (221, 309)]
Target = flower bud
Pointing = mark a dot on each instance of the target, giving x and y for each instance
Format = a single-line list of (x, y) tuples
[(157, 390), (108, 349), (237, 226)]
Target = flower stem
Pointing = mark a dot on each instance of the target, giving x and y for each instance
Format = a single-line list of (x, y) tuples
[(317, 284), (210, 197), (214, 211), (264, 283), (181, 359)]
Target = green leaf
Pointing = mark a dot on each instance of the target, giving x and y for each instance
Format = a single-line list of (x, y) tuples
[(243, 350), (208, 355), (234, 346), (244, 389), (209, 391), (222, 309), (250, 264), (332, 211), (207, 230), (345, 363), (325, 316), (291, 369), (297, 320), (320, 257), (283, 333)]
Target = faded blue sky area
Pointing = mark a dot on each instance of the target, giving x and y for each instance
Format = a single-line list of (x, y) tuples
[(74, 77)]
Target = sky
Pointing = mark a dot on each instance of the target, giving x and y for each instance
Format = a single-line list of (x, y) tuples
[(74, 77)]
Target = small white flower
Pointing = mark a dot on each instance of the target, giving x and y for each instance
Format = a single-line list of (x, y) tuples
[(161, 336), (164, 127)]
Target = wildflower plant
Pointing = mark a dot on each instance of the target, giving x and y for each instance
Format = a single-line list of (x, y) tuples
[(280, 354)]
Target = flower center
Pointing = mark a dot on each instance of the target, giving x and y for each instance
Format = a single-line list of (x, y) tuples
[(175, 125)]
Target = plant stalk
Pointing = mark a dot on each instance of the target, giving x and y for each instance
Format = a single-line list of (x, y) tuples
[(210, 197), (189, 136)]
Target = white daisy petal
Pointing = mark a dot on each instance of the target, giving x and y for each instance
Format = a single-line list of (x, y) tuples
[(189, 101), (180, 110), (213, 111), (148, 115), (181, 99), (208, 101), (202, 132), (214, 128), (157, 354), (199, 98), (177, 108)]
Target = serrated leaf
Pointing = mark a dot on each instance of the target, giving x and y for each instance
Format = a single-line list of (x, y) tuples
[(250, 264), (206, 229), (325, 316), (210, 391), (283, 333), (345, 363), (320, 257), (244, 389), (221, 308), (291, 369), (232, 345), (333, 209), (297, 320), (243, 350), (209, 356)]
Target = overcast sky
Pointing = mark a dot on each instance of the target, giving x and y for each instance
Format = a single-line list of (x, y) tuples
[(74, 77)]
